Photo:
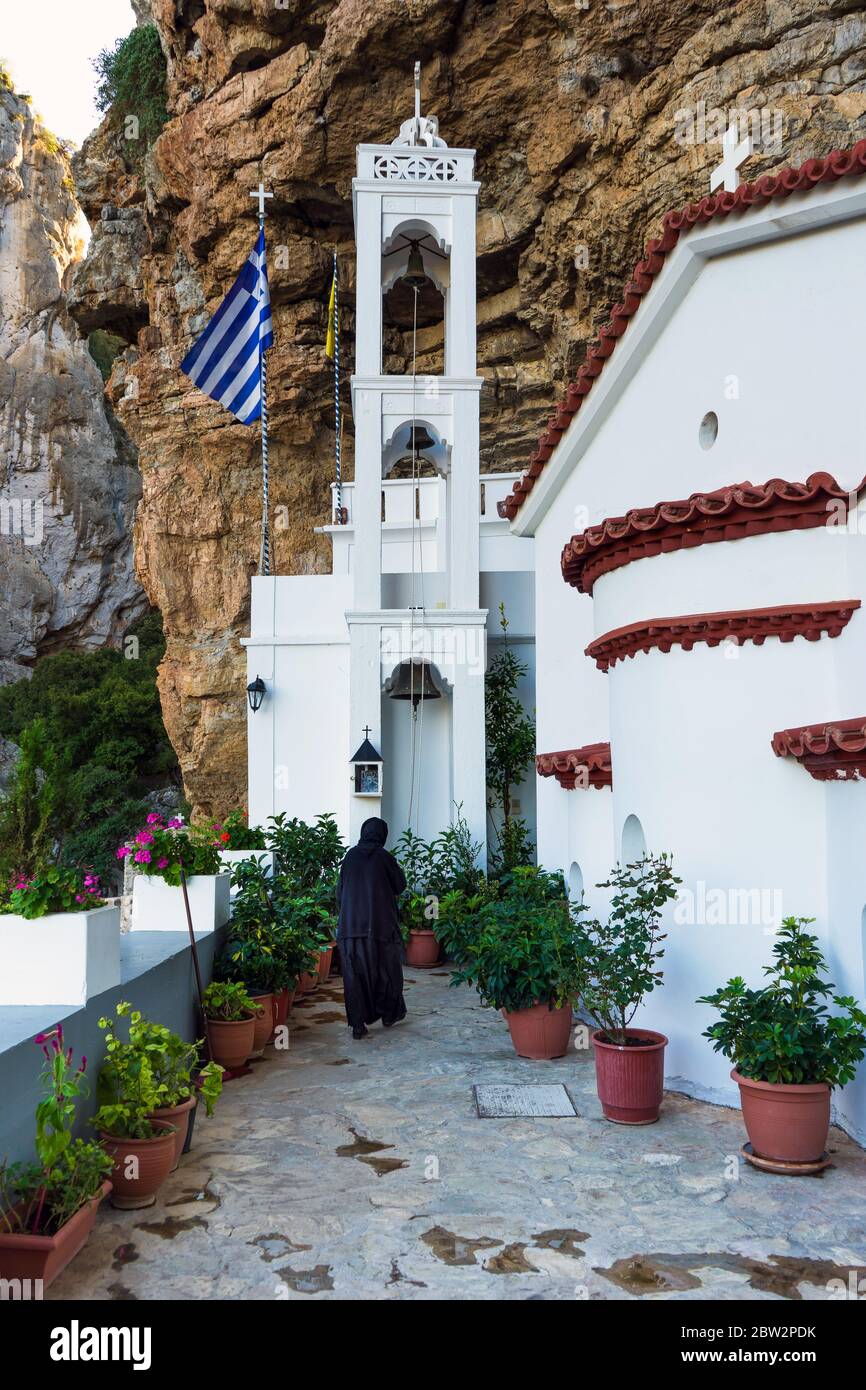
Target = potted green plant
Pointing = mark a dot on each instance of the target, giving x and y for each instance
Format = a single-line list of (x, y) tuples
[(249, 958), (174, 1065), (142, 1149), (59, 939), (788, 1050), (231, 1016), (161, 854), (47, 1208), (457, 921), (523, 959), (307, 860), (435, 870), (619, 960)]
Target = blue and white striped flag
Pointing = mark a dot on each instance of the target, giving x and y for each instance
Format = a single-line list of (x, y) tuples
[(225, 362)]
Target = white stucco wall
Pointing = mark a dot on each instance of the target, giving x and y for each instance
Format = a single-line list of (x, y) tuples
[(768, 338)]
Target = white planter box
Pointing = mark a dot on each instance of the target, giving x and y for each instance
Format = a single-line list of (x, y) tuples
[(157, 906), (230, 857), (64, 958)]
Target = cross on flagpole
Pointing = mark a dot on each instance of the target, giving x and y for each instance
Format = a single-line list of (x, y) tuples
[(265, 553), (733, 155), (261, 195)]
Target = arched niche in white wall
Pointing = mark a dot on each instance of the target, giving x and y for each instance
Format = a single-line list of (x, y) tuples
[(633, 840), (575, 883)]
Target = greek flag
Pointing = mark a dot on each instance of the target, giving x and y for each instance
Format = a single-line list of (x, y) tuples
[(225, 362)]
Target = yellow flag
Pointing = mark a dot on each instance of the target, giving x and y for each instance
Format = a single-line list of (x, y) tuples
[(329, 341)]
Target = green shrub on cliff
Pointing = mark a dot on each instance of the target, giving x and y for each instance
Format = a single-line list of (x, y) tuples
[(91, 727), (132, 87)]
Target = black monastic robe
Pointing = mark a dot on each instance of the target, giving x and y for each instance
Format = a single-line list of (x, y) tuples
[(368, 931)]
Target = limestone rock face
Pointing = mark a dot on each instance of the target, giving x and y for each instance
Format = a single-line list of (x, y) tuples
[(69, 482), (580, 115)]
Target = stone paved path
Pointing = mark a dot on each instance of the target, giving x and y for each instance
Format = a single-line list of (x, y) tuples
[(360, 1171)]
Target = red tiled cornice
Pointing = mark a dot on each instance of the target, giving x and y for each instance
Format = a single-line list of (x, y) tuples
[(839, 164), (728, 514), (578, 767), (809, 620), (829, 752)]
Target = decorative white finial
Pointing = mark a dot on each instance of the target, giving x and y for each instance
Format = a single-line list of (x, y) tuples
[(733, 155), (261, 195), (420, 130)]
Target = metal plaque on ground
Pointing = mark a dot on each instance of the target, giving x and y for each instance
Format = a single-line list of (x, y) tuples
[(523, 1102)]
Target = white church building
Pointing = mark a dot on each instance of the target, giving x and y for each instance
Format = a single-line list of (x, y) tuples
[(683, 564), (699, 516)]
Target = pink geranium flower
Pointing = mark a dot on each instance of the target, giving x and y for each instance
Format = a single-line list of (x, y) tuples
[(144, 837), (175, 824), (163, 864), (123, 851), (143, 856), (154, 819)]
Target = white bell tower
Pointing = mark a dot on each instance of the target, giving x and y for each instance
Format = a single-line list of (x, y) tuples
[(415, 209)]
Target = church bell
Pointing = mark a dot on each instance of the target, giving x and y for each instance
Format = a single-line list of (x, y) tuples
[(415, 275), (413, 680)]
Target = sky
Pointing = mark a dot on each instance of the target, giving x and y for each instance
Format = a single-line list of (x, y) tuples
[(47, 46)]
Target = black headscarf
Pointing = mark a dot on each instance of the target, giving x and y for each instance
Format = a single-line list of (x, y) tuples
[(374, 835), (370, 882)]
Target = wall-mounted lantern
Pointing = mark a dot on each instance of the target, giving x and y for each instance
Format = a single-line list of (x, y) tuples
[(256, 691), (368, 768)]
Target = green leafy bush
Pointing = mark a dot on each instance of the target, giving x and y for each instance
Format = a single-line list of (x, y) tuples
[(132, 83), (619, 957), (93, 744), (510, 741), (784, 1033), (105, 348), (31, 816), (306, 854), (152, 1050), (524, 948)]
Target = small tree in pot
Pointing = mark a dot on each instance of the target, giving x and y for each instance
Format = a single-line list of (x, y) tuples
[(619, 960), (788, 1050), (523, 958)]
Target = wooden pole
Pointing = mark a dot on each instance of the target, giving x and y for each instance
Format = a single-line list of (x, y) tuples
[(196, 963)]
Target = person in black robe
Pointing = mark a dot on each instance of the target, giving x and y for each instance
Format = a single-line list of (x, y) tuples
[(368, 932)]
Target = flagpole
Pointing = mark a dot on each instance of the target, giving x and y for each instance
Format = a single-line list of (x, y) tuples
[(265, 552), (265, 558), (338, 450)]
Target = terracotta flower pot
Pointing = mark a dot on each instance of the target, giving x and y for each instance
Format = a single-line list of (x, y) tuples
[(179, 1116), (422, 949), (540, 1032), (135, 1184), (282, 1004), (307, 982), (787, 1123), (630, 1080), (325, 964), (231, 1043), (264, 1024), (44, 1257)]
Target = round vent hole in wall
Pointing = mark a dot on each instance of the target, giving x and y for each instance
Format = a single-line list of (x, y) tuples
[(709, 430)]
